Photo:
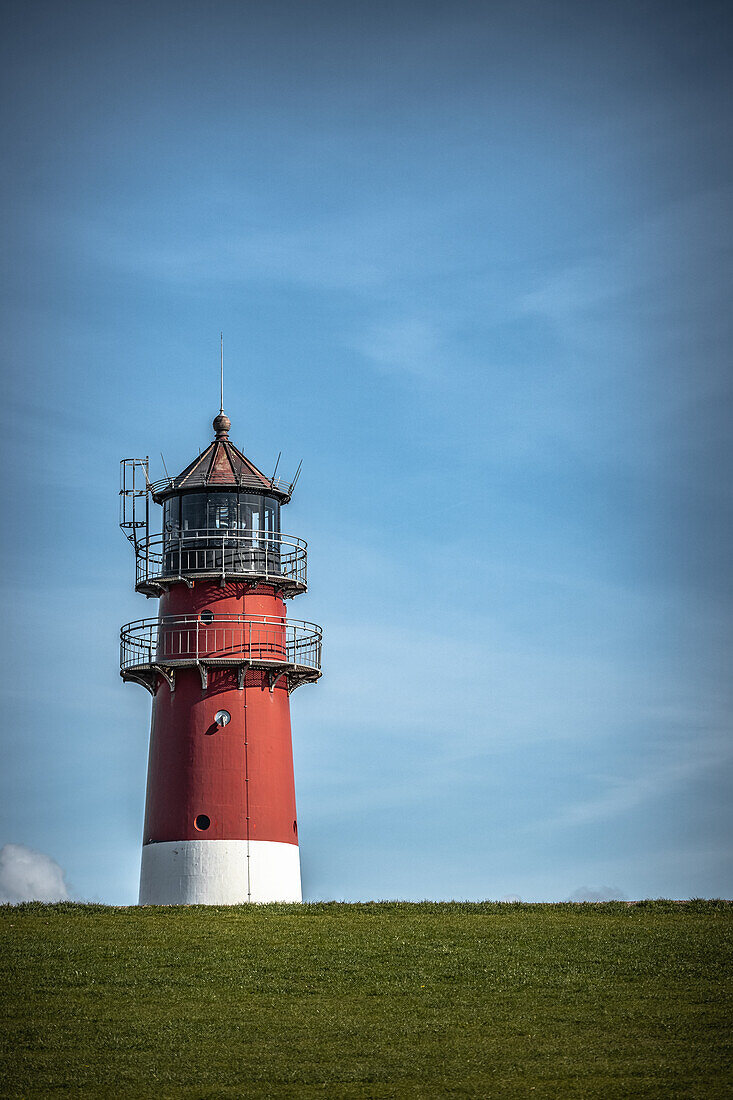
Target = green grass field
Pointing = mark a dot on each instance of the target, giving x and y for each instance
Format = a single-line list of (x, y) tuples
[(377, 1000)]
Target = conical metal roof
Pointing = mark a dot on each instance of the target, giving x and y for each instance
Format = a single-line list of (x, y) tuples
[(222, 465)]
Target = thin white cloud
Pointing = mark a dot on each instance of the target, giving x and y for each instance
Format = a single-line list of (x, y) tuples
[(666, 269), (367, 250), (624, 795), (409, 345)]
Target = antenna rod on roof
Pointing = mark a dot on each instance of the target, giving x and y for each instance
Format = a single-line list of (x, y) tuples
[(294, 482), (221, 341), (272, 479), (164, 466)]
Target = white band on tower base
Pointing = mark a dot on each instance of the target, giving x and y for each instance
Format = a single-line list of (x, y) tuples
[(219, 872)]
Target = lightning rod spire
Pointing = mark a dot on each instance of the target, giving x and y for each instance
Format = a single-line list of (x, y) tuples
[(222, 423)]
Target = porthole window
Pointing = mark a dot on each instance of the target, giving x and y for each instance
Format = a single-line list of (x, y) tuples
[(207, 616), (222, 717), (202, 822)]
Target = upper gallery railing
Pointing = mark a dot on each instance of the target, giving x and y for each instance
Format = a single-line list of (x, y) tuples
[(200, 479), (224, 552)]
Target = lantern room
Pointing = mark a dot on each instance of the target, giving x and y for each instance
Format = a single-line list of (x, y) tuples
[(221, 518)]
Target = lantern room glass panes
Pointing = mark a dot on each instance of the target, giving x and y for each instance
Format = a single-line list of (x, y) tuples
[(221, 512), (249, 516), (193, 512), (205, 532), (271, 516), (172, 516)]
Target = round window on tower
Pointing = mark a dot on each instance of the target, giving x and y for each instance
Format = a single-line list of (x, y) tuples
[(222, 717), (207, 616), (202, 822)]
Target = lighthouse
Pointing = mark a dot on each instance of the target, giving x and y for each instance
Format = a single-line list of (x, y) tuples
[(220, 660)]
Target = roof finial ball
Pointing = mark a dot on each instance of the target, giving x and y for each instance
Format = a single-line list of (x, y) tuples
[(222, 424)]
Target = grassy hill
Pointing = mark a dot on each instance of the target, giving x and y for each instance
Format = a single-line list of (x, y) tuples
[(373, 1000)]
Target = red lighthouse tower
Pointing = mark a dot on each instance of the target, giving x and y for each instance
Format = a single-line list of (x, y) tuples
[(220, 661)]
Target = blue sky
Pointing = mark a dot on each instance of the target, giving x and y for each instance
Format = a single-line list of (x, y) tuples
[(472, 264)]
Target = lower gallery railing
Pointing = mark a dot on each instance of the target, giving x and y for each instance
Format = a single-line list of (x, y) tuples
[(180, 639)]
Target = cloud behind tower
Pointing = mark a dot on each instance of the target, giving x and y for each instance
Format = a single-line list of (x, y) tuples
[(27, 875)]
